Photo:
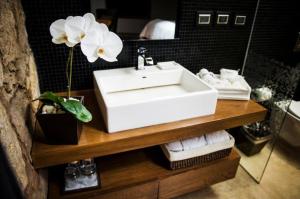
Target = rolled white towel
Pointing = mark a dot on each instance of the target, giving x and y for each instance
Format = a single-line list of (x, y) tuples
[(192, 143), (231, 75), (228, 80), (209, 77), (210, 80), (174, 146), (203, 72), (202, 141), (217, 137)]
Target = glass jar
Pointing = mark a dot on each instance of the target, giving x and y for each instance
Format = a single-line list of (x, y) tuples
[(88, 166)]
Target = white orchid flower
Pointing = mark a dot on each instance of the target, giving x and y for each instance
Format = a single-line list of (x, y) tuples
[(58, 33), (77, 27), (72, 30), (100, 42)]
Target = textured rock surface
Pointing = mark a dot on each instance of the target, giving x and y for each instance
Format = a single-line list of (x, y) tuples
[(18, 86)]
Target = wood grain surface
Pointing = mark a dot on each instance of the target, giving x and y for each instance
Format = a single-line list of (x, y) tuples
[(96, 142)]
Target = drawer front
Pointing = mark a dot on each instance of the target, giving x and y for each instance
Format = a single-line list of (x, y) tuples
[(198, 178), (147, 190)]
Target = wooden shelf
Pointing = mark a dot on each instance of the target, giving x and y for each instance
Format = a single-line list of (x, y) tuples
[(145, 170), (95, 142)]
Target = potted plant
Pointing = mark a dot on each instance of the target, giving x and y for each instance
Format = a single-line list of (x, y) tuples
[(251, 139), (61, 117)]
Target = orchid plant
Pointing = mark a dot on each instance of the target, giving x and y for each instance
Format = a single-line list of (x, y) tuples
[(95, 41), (95, 38)]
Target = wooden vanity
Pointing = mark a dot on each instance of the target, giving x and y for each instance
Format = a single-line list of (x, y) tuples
[(131, 165)]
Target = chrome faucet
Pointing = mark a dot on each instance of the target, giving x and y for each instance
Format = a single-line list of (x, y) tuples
[(142, 59)]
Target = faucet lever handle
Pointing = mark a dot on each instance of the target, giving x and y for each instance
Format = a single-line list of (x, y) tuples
[(141, 50)]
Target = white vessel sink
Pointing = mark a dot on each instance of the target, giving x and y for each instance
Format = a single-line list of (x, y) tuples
[(130, 98)]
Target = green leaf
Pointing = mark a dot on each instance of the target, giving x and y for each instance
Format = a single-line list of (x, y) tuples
[(50, 96), (77, 109), (72, 106)]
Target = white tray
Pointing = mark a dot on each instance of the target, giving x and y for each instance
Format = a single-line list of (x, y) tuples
[(182, 155), (235, 94)]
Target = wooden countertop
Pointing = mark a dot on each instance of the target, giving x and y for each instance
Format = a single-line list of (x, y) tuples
[(95, 142)]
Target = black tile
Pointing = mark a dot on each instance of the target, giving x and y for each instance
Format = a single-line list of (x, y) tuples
[(210, 47)]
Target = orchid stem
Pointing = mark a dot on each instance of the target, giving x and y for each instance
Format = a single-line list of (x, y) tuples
[(70, 72), (67, 67)]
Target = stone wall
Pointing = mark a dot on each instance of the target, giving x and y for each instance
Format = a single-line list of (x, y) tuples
[(18, 86)]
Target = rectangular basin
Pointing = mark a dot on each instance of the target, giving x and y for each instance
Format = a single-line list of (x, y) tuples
[(130, 98)]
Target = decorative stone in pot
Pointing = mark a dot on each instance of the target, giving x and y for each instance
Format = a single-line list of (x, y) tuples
[(61, 119)]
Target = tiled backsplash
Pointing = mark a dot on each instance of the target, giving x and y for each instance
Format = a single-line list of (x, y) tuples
[(197, 47), (212, 47)]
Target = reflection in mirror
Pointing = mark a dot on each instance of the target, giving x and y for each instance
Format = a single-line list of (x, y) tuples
[(273, 85), (138, 20)]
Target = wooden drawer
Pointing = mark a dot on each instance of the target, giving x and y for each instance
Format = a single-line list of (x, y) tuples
[(199, 177), (142, 191), (147, 190)]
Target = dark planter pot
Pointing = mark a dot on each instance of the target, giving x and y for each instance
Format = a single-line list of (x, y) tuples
[(60, 128), (248, 143)]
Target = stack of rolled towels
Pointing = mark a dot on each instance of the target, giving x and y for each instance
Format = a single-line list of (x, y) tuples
[(198, 142), (198, 150), (229, 83)]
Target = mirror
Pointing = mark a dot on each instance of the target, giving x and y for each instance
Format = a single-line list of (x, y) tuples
[(136, 19)]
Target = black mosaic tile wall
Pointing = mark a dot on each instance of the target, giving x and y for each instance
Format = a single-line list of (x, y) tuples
[(212, 47), (271, 60), (297, 93), (276, 30)]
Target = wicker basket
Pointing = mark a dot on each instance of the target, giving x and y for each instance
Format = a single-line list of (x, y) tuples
[(202, 155), (200, 159)]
